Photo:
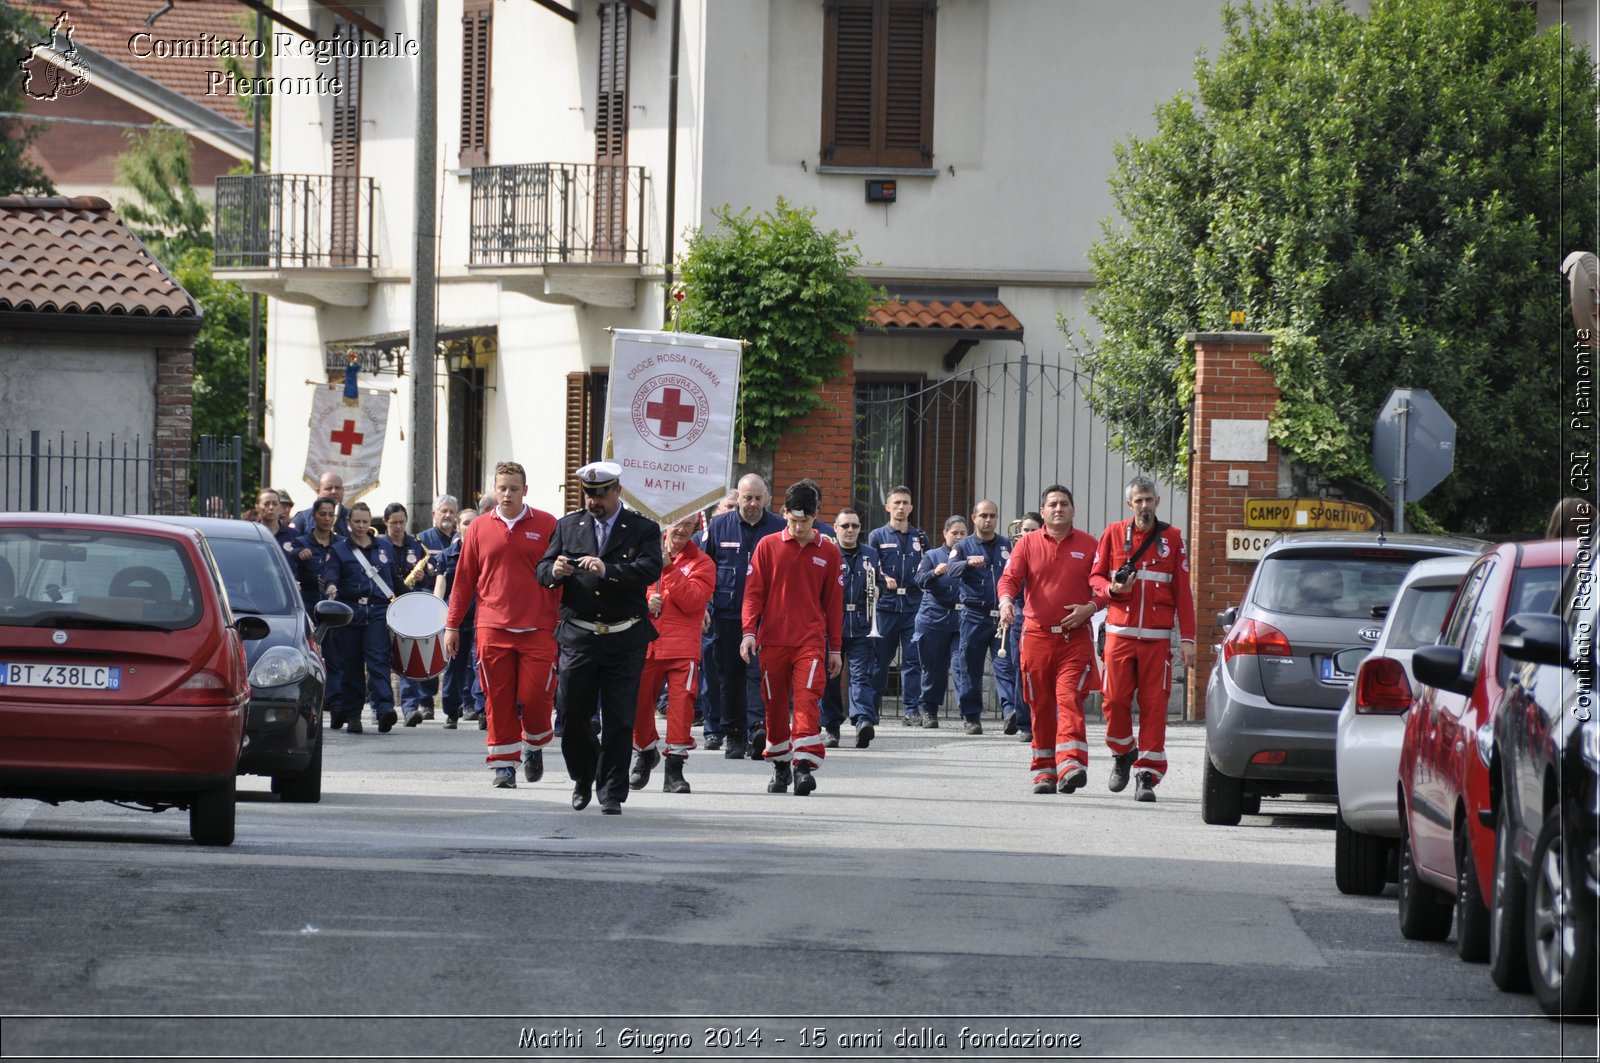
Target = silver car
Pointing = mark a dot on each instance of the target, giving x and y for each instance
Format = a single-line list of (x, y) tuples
[(1372, 722), (1273, 698)]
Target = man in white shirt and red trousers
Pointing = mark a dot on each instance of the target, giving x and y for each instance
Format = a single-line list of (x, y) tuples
[(794, 611)]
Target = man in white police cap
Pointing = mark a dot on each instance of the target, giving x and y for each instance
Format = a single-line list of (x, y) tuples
[(603, 560)]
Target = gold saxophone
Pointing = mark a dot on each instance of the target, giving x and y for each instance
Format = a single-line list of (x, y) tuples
[(416, 572)]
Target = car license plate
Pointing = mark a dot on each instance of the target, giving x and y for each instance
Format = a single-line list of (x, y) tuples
[(1330, 674), (61, 676)]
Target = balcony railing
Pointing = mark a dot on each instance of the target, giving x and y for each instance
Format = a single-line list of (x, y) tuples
[(294, 221), (537, 213)]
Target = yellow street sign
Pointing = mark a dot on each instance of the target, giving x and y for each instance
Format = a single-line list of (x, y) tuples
[(1303, 514)]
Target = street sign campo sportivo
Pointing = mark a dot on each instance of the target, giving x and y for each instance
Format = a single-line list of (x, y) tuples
[(1303, 514)]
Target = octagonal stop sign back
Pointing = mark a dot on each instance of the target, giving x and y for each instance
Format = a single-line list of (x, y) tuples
[(1412, 416)]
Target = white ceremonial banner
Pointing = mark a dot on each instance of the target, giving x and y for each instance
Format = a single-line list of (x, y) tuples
[(347, 440), (669, 419)]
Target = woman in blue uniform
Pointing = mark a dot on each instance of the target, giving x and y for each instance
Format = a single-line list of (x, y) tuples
[(938, 622), (358, 573), (411, 572)]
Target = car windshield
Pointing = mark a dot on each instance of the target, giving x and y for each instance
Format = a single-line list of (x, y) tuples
[(1419, 615), (252, 577), (79, 578), (1350, 584)]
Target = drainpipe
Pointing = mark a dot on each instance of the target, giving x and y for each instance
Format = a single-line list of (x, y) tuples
[(672, 161)]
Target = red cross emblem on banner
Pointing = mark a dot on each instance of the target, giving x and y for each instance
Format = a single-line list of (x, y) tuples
[(670, 412), (347, 437)]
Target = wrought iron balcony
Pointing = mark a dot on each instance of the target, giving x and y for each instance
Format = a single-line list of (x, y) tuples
[(540, 213), (294, 221)]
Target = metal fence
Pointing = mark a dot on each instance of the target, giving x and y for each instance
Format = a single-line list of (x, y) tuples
[(58, 474), (294, 221), (535, 213)]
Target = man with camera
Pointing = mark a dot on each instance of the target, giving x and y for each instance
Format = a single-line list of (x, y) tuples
[(1141, 570)]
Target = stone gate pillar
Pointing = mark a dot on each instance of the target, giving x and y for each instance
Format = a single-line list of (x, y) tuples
[(1231, 460)]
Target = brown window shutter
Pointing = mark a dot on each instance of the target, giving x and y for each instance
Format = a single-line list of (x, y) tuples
[(847, 83), (577, 434), (908, 83), (477, 23), (344, 238), (609, 239)]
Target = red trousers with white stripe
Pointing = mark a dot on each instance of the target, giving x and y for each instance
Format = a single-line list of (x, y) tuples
[(1057, 674), (682, 676), (518, 673), (801, 673), (1141, 667)]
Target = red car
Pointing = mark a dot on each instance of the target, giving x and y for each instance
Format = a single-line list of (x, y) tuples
[(122, 671), (1446, 811)]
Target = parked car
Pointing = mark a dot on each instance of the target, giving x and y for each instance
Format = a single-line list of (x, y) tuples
[(1272, 700), (1544, 767), (283, 732), (1372, 721), (122, 672), (1447, 835)]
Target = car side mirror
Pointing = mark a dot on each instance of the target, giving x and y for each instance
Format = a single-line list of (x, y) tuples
[(1228, 617), (1347, 661), (330, 614), (1538, 638), (252, 628), (1440, 666)]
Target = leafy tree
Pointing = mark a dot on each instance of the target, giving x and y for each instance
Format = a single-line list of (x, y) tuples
[(1392, 196), (175, 224), (19, 32), (791, 292)]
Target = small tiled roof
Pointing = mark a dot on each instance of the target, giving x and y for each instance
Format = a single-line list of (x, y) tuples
[(75, 256), (915, 315), (109, 26)]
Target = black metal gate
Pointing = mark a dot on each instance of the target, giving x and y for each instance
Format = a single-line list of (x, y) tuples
[(1002, 430), (41, 473)]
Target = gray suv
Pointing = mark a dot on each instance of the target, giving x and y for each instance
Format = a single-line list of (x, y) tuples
[(1272, 702)]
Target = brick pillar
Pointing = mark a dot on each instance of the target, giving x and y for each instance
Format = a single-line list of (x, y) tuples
[(174, 430), (1232, 460), (821, 445)]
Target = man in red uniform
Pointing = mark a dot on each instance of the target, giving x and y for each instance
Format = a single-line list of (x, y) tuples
[(794, 611), (677, 605), (516, 625), (1057, 649), (1141, 570)]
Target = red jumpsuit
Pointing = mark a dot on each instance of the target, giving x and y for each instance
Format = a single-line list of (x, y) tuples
[(1058, 669), (794, 606), (687, 580), (517, 619), (1139, 636)]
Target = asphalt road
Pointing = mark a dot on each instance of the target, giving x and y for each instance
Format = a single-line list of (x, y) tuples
[(416, 913)]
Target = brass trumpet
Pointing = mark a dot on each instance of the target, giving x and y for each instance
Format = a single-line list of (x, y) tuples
[(872, 600), (416, 572)]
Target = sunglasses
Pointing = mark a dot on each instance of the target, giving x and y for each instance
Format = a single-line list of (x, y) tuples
[(595, 492), (846, 527)]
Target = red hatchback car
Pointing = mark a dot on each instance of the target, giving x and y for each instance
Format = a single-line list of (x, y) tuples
[(122, 672), (1446, 811)]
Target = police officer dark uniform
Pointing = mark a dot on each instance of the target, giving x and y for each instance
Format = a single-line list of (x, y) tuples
[(603, 560)]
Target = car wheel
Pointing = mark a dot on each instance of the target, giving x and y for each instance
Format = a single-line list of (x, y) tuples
[(211, 815), (1424, 911), (1472, 915), (1508, 950), (1560, 924), (1359, 860), (304, 786), (1250, 804), (1221, 797)]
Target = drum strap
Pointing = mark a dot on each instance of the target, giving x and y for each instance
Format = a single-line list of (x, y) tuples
[(372, 573)]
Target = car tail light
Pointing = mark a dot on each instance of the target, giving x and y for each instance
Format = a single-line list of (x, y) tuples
[(1253, 636), (1382, 688), (203, 688), (1270, 756)]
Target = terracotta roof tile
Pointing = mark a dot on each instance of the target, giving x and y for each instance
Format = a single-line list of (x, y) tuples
[(914, 314), (108, 25), (75, 256)]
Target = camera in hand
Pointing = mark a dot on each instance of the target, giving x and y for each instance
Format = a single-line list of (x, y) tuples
[(1123, 574)]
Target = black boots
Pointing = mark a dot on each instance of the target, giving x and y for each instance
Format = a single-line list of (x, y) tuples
[(674, 782), (779, 783), (644, 762)]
